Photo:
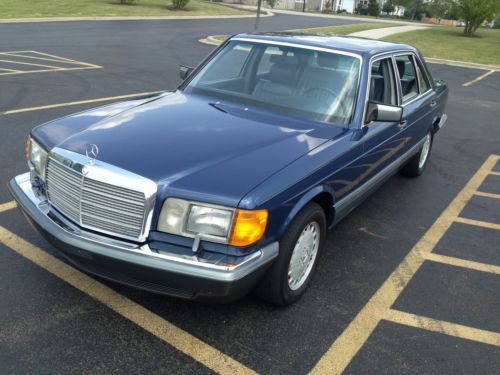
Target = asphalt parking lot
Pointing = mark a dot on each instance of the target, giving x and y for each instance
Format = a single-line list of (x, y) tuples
[(408, 283)]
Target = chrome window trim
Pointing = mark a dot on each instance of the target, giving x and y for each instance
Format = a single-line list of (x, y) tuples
[(110, 174), (379, 56), (415, 59), (419, 66), (393, 54), (302, 46)]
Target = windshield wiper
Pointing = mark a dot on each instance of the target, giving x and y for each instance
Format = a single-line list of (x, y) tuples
[(217, 106)]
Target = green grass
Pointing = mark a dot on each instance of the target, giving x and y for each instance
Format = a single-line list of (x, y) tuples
[(107, 8), (339, 30), (450, 44), (348, 29)]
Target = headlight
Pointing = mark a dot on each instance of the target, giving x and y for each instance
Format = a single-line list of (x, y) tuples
[(209, 221), (37, 156), (214, 223)]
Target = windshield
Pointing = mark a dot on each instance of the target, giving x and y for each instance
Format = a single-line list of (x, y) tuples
[(312, 84)]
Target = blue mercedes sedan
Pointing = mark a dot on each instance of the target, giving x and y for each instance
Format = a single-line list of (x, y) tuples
[(230, 183)]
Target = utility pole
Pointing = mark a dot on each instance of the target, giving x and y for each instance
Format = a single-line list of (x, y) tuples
[(257, 18), (303, 5)]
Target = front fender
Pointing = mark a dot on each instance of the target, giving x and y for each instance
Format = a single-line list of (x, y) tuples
[(303, 201)]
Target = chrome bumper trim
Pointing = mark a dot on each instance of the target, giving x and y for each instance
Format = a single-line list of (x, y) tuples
[(443, 120), (142, 254)]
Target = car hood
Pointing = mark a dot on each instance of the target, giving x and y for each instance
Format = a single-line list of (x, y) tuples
[(197, 148)]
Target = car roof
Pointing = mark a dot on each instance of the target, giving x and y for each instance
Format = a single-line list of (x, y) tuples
[(361, 46)]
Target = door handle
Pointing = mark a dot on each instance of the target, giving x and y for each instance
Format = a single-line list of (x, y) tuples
[(402, 124), (433, 104)]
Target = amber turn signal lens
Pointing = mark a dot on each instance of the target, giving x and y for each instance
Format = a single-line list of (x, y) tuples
[(27, 148), (248, 227)]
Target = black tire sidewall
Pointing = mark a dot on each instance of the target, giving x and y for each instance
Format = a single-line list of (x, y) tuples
[(311, 213)]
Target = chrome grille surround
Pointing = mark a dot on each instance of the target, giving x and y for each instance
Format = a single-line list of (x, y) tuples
[(100, 196)]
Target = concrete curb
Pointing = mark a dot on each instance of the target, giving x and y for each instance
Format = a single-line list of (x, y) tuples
[(212, 40), (324, 15), (462, 64), (133, 18)]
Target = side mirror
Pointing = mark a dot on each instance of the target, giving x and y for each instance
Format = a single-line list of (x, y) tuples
[(185, 71), (383, 112)]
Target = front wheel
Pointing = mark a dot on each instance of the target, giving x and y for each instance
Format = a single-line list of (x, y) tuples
[(416, 165), (288, 277)]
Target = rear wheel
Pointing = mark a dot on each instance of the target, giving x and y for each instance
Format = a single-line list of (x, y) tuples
[(416, 165), (288, 277)]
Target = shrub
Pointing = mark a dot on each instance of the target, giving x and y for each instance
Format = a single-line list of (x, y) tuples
[(272, 3), (373, 8), (362, 9), (388, 7), (127, 2), (179, 4)]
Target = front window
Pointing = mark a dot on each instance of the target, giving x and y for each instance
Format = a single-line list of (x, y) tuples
[(312, 84)]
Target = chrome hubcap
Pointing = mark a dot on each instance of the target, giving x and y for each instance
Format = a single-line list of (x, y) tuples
[(425, 151), (303, 256)]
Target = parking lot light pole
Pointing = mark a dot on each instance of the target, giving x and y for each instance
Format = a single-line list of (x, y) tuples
[(257, 17)]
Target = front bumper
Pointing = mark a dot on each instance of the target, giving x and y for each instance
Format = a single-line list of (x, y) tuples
[(136, 264)]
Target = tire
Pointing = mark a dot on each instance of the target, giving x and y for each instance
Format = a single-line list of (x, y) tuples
[(416, 165), (275, 287)]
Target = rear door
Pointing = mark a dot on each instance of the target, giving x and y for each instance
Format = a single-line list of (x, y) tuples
[(418, 98)]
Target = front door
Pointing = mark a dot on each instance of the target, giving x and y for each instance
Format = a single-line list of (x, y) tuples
[(383, 142)]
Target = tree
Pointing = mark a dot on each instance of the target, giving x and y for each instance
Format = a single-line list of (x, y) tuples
[(272, 3), (388, 7), (373, 8), (257, 16), (476, 12), (414, 9), (179, 4), (439, 8), (361, 9)]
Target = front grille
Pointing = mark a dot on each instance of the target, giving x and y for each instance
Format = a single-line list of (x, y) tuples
[(95, 204)]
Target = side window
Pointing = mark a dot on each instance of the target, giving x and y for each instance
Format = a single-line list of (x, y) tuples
[(423, 83), (408, 76), (383, 82)]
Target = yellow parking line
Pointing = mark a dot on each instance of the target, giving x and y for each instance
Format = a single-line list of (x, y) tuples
[(495, 173), (7, 206), (340, 354), (62, 58), (67, 104), (59, 59), (478, 223), (458, 262), (31, 64), (47, 70), (482, 76), (144, 318), (11, 70), (447, 328), (488, 195)]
